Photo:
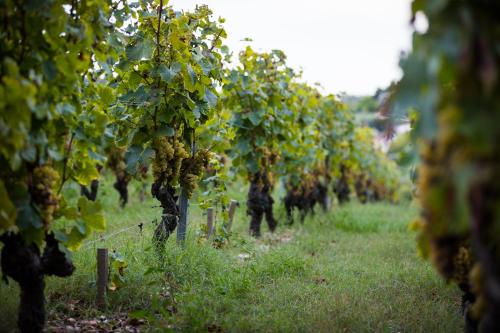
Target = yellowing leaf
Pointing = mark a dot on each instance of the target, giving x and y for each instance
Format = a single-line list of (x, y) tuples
[(91, 213), (85, 173), (8, 211)]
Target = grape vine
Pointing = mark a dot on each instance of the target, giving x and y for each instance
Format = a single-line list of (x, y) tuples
[(257, 91), (49, 53), (167, 90)]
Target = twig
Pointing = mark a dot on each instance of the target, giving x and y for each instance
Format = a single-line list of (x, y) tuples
[(142, 76), (160, 10), (66, 157), (214, 42)]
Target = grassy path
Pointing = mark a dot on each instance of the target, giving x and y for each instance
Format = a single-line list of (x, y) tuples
[(354, 269)]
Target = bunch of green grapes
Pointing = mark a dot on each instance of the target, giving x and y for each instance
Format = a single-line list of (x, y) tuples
[(192, 170), (268, 157), (169, 155), (43, 192), (164, 153)]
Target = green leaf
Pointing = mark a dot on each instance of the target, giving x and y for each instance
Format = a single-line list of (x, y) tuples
[(164, 131), (65, 109), (91, 213), (165, 73), (132, 157), (210, 98), (190, 79), (34, 235), (106, 94), (252, 166), (74, 239), (85, 172), (49, 70), (255, 118), (28, 217), (53, 153), (176, 67), (141, 50), (29, 153), (243, 147), (168, 74)]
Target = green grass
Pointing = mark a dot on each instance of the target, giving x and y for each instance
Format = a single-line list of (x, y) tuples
[(353, 269)]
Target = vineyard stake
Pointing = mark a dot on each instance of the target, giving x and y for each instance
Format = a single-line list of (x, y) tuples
[(102, 278), (183, 212), (210, 221), (232, 210), (183, 205)]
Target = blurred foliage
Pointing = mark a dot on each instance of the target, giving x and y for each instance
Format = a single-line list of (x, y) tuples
[(52, 55), (452, 79)]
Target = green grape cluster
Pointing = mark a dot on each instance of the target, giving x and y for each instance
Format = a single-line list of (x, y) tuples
[(268, 157), (192, 170), (43, 192), (164, 153), (169, 155)]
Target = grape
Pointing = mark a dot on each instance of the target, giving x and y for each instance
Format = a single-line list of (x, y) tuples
[(43, 192), (192, 170)]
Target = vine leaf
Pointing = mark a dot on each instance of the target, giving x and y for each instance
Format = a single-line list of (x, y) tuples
[(8, 212), (141, 50), (91, 214)]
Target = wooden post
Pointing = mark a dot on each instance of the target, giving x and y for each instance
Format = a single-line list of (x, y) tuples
[(232, 210), (210, 221), (183, 212), (328, 202), (102, 278), (183, 205)]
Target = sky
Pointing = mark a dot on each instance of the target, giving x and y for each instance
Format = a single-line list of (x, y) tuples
[(350, 46)]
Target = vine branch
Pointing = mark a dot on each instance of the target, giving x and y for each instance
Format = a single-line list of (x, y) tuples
[(160, 11), (66, 158), (214, 42)]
